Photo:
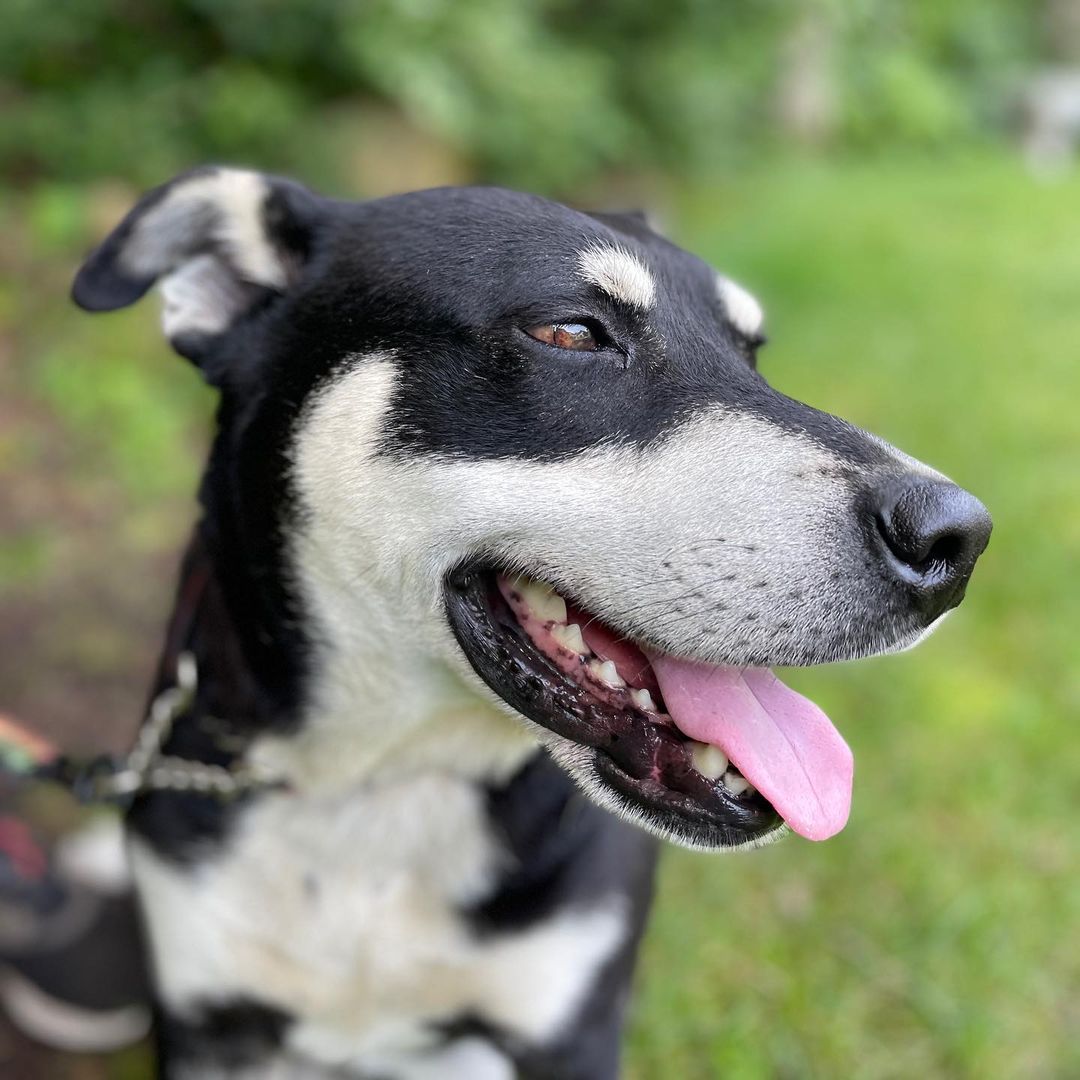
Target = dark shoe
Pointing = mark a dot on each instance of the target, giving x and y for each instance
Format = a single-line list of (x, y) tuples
[(72, 973)]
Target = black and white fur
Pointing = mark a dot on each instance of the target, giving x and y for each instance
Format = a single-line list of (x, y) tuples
[(432, 896)]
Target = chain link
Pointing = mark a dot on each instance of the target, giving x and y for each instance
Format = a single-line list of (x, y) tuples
[(146, 768)]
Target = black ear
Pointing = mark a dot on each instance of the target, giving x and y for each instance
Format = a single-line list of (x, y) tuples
[(636, 223), (221, 241)]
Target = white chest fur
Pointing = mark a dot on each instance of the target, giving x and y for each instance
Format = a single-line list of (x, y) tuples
[(345, 912)]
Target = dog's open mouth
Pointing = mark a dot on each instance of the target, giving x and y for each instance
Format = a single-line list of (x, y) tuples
[(710, 755)]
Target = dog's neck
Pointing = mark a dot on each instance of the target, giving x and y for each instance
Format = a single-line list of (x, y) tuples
[(357, 698)]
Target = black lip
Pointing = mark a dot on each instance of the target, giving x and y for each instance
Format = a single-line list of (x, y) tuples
[(646, 764)]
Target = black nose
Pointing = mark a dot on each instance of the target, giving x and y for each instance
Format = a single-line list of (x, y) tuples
[(932, 532)]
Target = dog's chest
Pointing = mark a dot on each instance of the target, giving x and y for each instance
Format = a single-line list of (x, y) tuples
[(347, 913)]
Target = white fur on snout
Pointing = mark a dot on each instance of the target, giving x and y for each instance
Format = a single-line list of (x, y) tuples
[(905, 462), (619, 273), (728, 537)]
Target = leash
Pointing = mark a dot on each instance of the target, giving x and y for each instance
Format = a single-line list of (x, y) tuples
[(118, 780)]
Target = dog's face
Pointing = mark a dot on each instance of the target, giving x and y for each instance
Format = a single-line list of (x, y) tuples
[(534, 444)]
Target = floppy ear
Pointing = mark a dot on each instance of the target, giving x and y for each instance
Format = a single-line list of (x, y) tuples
[(221, 241)]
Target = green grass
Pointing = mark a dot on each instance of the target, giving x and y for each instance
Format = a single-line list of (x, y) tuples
[(939, 935), (935, 303)]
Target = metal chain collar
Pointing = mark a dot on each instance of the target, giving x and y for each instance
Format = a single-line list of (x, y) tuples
[(146, 768)]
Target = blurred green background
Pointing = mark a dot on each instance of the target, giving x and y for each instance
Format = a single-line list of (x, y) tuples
[(877, 171)]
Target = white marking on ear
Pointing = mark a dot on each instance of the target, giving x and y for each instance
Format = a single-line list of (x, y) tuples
[(619, 273), (207, 244), (202, 296), (230, 202), (743, 310)]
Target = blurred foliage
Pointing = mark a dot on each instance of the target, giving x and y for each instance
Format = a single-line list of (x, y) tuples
[(542, 93)]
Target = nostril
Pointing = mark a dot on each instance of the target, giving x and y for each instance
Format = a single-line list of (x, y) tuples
[(945, 549), (921, 552)]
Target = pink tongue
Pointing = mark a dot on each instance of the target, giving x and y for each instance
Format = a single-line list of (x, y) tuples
[(781, 742)]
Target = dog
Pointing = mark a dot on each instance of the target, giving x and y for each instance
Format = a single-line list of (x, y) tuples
[(502, 532)]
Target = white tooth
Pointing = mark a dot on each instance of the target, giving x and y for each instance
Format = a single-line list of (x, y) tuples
[(710, 761), (643, 700), (608, 673), (543, 602), (569, 637), (737, 785)]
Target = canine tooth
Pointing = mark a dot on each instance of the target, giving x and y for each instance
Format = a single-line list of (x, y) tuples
[(608, 673), (643, 700), (569, 637), (737, 785), (710, 761), (541, 599)]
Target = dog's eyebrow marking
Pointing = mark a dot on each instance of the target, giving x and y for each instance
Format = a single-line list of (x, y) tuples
[(742, 309), (619, 273)]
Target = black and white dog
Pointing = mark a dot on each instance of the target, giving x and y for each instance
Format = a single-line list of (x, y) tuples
[(499, 515)]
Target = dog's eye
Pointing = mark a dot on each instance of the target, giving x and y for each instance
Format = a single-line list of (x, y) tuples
[(576, 336)]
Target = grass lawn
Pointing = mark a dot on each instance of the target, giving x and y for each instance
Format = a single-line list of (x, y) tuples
[(934, 303)]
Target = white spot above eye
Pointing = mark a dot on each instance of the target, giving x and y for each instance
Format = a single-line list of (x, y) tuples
[(743, 310), (619, 273)]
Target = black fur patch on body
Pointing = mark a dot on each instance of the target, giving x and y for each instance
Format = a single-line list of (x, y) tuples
[(242, 1034), (566, 853), (564, 850)]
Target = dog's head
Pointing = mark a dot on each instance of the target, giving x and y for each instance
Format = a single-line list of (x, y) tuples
[(529, 447)]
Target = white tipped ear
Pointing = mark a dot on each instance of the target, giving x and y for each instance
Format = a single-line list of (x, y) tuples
[(742, 308), (202, 296), (218, 240)]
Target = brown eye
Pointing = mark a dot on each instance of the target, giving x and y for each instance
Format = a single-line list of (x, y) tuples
[(565, 336)]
